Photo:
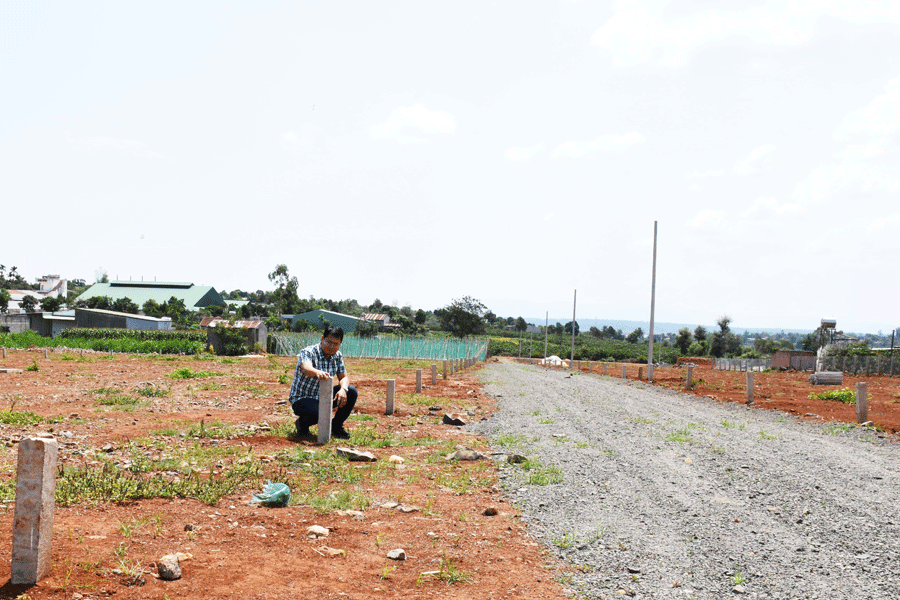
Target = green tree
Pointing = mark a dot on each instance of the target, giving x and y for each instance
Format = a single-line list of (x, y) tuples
[(521, 325), (724, 342), (366, 328), (420, 317), (28, 304), (464, 316), (51, 304), (125, 305), (568, 328), (700, 334), (152, 308), (286, 299), (99, 302), (490, 317), (683, 340), (181, 315), (4, 299), (635, 336)]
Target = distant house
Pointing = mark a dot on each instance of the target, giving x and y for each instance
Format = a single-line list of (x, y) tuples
[(318, 317), (256, 331), (50, 324), (51, 286), (383, 321), (194, 297)]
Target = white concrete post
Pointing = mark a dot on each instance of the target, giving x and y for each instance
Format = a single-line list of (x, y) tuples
[(35, 504), (590, 366), (640, 373), (749, 387), (624, 372), (445, 369), (4, 353), (433, 374), (389, 401), (452, 366), (862, 403), (418, 381), (325, 389), (690, 378), (604, 369), (45, 354)]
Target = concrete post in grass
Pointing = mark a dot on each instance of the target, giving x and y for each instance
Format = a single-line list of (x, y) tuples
[(418, 381), (862, 403), (35, 504), (690, 378), (445, 369), (433, 374), (389, 398), (325, 389), (46, 356), (749, 387)]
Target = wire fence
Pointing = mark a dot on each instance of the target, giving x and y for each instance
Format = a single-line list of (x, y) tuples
[(415, 348), (744, 364)]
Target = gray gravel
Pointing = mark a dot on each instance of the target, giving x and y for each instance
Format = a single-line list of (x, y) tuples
[(667, 495)]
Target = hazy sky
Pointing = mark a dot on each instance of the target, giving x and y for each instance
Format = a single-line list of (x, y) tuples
[(512, 151)]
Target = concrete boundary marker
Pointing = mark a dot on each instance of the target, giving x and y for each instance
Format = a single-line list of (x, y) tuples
[(35, 506), (325, 388), (389, 397)]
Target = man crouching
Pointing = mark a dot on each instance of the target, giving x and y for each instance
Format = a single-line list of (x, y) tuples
[(322, 362)]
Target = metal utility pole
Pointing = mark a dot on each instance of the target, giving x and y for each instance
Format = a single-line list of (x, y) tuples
[(546, 326), (652, 308), (572, 357)]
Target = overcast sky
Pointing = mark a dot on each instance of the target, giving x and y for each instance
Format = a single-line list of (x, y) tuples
[(512, 151)]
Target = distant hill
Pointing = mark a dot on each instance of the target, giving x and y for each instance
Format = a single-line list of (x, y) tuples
[(658, 327)]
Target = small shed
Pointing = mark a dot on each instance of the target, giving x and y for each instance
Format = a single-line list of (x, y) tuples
[(50, 324), (255, 332), (798, 360)]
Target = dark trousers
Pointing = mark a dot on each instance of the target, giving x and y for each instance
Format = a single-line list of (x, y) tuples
[(308, 419)]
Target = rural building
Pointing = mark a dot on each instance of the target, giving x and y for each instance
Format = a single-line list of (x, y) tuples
[(110, 319), (318, 317), (256, 331), (383, 321), (51, 286), (798, 360), (193, 296), (50, 324)]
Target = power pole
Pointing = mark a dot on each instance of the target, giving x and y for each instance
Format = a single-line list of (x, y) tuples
[(546, 326), (572, 357), (652, 307)]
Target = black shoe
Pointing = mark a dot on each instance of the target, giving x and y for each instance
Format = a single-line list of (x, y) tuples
[(301, 431), (340, 433)]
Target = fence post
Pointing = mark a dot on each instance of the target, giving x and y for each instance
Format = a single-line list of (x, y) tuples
[(624, 372), (690, 378), (33, 522), (862, 403), (445, 369), (640, 373), (325, 389), (389, 397), (604, 369), (433, 374), (749, 387), (418, 381)]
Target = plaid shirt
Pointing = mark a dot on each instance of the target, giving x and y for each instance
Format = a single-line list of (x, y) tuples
[(308, 387)]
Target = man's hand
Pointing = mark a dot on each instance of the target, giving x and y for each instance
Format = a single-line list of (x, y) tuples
[(341, 397), (323, 376)]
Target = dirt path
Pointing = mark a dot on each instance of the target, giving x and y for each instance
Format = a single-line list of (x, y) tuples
[(671, 495)]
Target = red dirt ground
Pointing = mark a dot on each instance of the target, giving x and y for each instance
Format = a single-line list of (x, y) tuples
[(240, 549)]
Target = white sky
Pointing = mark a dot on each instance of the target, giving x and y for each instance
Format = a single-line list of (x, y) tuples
[(417, 152)]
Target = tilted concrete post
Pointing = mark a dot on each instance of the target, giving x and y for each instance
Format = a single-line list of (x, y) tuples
[(418, 381), (325, 389), (433, 374), (389, 400), (445, 369), (862, 403), (690, 378), (749, 387), (35, 504)]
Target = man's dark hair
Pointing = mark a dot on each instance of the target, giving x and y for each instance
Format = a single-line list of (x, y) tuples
[(333, 331)]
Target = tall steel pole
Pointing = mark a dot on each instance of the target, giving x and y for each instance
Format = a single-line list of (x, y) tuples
[(572, 357), (546, 326), (652, 308)]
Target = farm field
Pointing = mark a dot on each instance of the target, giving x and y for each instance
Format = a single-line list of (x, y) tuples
[(228, 421), (170, 421)]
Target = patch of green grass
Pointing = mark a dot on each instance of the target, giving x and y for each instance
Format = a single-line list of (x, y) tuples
[(540, 474), (765, 436), (149, 390), (22, 419), (547, 421), (845, 395), (838, 429), (339, 499), (566, 540), (370, 438), (33, 366), (189, 373), (681, 436)]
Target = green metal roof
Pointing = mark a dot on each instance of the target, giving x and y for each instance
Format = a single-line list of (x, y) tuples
[(345, 322), (194, 296)]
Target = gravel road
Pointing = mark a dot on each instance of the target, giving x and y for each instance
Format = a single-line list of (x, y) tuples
[(667, 495)]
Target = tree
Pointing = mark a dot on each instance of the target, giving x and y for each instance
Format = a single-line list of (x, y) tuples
[(462, 317), (100, 275), (51, 304), (28, 304), (420, 317), (595, 332), (4, 298), (490, 317), (99, 302), (125, 305), (635, 336), (181, 316), (568, 328), (366, 328), (700, 334), (152, 308), (723, 341), (683, 340), (286, 299), (521, 325)]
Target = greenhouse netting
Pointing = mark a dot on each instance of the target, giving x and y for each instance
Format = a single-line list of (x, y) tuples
[(389, 346)]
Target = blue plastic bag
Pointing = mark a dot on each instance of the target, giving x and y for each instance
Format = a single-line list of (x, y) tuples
[(274, 494)]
